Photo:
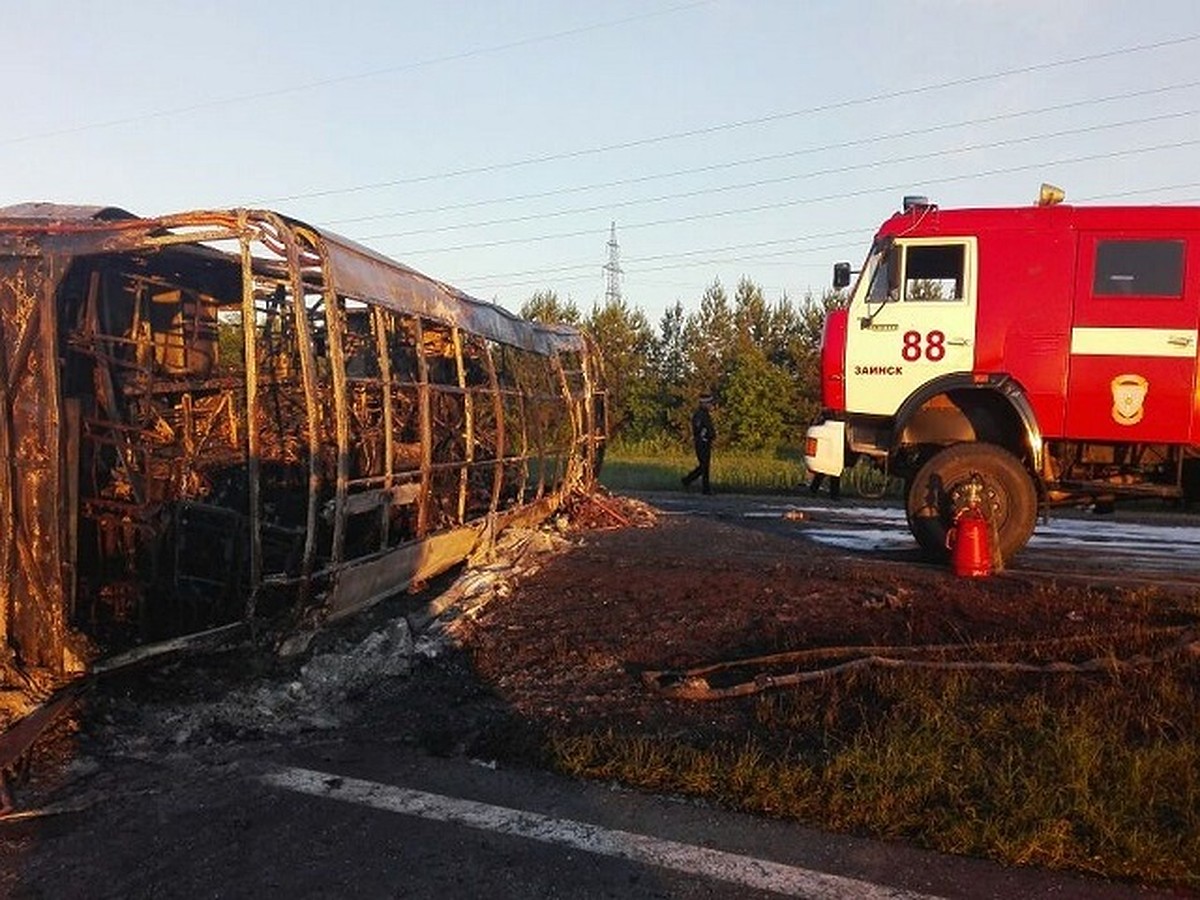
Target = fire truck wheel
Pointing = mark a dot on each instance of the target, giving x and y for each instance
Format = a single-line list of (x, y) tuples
[(942, 487)]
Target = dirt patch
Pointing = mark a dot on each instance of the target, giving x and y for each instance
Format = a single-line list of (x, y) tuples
[(568, 647), (555, 633)]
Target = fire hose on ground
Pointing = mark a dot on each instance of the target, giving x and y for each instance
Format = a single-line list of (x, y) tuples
[(698, 683)]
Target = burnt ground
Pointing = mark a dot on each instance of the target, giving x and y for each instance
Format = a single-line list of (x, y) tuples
[(614, 589), (560, 642), (567, 650)]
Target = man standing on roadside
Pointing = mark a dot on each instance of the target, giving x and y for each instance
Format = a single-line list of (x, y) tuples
[(703, 434), (835, 485), (835, 481)]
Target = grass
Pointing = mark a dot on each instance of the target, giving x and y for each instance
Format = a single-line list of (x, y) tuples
[(739, 473), (1097, 773), (640, 468)]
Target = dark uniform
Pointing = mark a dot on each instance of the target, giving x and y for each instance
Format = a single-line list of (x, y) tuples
[(835, 485), (703, 434), (835, 481)]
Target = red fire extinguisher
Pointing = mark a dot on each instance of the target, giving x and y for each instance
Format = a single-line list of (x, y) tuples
[(969, 543)]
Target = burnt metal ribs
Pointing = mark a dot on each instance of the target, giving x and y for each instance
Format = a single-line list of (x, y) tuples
[(227, 416)]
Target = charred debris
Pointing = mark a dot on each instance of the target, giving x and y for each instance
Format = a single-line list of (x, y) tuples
[(223, 418)]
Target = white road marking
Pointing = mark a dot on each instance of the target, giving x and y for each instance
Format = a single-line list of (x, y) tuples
[(747, 871)]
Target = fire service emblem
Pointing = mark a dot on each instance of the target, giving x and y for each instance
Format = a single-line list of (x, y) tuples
[(1129, 393)]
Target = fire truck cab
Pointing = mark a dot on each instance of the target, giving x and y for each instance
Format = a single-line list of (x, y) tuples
[(1013, 359)]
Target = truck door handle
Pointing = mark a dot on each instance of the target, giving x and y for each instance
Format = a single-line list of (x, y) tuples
[(959, 342), (1179, 341)]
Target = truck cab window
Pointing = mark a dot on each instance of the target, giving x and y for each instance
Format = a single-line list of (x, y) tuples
[(1138, 268), (934, 272)]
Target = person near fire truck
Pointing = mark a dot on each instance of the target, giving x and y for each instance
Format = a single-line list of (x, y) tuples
[(835, 485), (703, 435), (835, 481)]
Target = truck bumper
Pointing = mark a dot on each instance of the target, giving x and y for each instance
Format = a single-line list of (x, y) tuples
[(825, 448)]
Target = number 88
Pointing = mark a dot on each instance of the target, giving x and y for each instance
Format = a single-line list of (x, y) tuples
[(935, 346)]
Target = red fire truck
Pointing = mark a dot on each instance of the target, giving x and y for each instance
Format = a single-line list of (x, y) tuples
[(1015, 359)]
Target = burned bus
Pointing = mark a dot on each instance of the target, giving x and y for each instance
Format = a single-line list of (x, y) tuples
[(224, 417)]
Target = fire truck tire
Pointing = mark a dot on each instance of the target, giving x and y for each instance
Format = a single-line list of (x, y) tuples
[(1009, 497)]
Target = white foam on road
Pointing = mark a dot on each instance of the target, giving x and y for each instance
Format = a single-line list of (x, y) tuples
[(862, 540), (745, 871), (864, 529)]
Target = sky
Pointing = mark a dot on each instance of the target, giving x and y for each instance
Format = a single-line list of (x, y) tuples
[(494, 145)]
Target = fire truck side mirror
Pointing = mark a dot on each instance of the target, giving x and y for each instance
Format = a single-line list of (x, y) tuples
[(841, 275)]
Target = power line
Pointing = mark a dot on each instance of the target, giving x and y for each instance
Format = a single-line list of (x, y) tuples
[(744, 123), (713, 252), (773, 157), (781, 179), (1140, 192), (636, 260), (668, 267), (715, 259), (355, 76), (1093, 157)]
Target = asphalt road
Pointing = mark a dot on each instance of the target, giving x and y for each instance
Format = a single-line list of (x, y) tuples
[(340, 819), (1142, 546)]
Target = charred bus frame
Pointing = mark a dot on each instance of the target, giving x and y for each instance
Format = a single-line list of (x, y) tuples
[(232, 416)]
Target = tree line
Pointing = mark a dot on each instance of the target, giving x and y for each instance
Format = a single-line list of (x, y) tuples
[(759, 359)]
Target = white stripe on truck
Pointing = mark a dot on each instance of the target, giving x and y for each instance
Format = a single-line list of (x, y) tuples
[(1133, 342)]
